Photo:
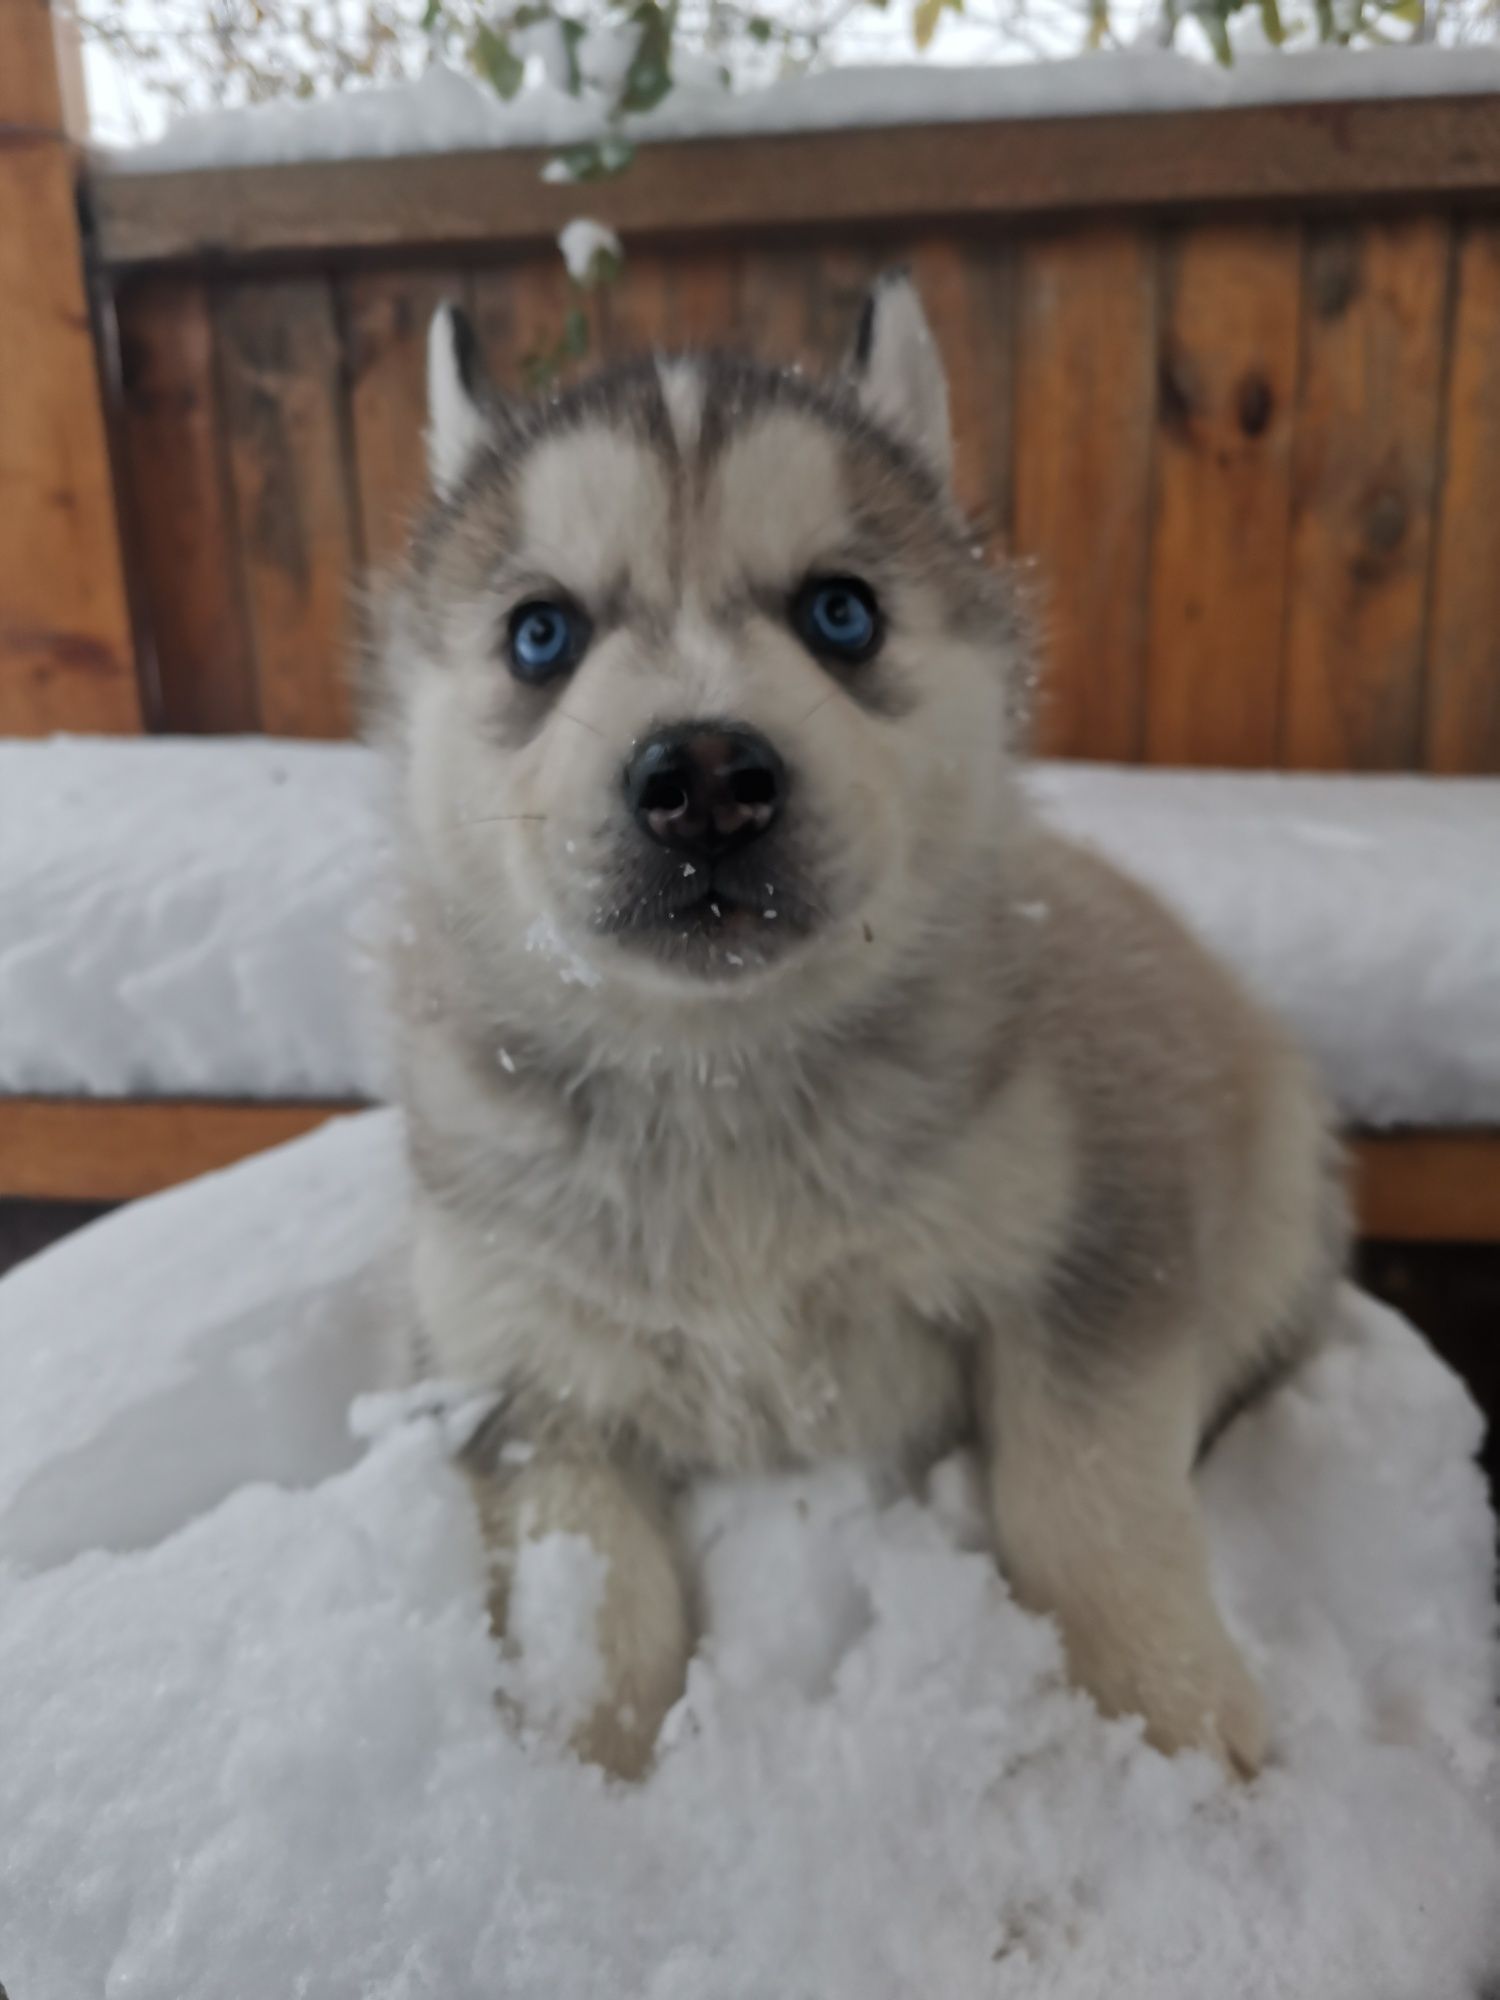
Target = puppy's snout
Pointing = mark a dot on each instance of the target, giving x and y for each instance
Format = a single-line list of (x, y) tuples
[(705, 790)]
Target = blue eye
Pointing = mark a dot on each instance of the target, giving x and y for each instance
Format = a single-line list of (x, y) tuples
[(837, 618), (545, 638)]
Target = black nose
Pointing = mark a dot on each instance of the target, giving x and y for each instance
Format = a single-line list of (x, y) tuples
[(705, 789)]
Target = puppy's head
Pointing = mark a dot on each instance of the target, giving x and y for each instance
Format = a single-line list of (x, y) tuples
[(700, 684)]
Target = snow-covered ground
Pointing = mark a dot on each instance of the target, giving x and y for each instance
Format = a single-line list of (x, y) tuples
[(446, 111), (192, 917), (251, 1746)]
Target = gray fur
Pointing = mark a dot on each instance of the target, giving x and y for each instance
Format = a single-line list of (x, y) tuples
[(955, 1134)]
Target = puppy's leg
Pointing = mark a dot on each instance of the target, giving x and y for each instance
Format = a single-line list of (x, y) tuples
[(643, 1634), (1097, 1523)]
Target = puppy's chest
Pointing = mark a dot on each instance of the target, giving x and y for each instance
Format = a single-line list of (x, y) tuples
[(740, 1302), (778, 1374)]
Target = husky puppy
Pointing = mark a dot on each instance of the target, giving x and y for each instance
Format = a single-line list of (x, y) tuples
[(778, 1087)]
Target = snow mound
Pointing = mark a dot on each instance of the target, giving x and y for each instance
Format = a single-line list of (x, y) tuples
[(447, 111), (197, 918), (254, 1746)]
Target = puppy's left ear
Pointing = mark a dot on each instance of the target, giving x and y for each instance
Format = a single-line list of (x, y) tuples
[(898, 372), (458, 421)]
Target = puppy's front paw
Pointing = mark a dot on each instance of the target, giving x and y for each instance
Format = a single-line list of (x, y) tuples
[(1198, 1699), (590, 1607)]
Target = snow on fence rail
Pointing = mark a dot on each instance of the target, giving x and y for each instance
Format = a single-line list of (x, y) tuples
[(1231, 375)]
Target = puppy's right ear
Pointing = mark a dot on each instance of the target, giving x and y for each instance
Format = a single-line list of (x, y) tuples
[(457, 394), (898, 372)]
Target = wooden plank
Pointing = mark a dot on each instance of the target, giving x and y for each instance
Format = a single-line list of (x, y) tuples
[(1292, 153), (520, 313), (1463, 648), (1429, 1187), (969, 291), (288, 466), (175, 479), (385, 317), (671, 300), (702, 298), (30, 89), (799, 304), (1364, 489), (91, 1149), (1226, 386), (1082, 468), (66, 651)]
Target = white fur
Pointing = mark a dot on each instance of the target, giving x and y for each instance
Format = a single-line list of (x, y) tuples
[(456, 425), (902, 380)]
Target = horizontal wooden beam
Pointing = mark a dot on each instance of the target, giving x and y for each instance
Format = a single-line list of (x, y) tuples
[(94, 1149), (1411, 1187), (1428, 1187), (1275, 154)]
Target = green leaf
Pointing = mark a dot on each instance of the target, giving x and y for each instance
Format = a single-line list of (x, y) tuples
[(572, 34), (431, 15), (760, 29), (1271, 21), (927, 14), (1213, 19), (649, 77), (496, 61), (575, 336), (539, 369)]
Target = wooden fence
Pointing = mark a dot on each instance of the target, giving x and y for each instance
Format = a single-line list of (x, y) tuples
[(1232, 378)]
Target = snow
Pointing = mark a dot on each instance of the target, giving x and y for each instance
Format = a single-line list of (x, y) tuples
[(1364, 909), (582, 242), (556, 1596), (196, 917), (256, 1746), (446, 110), (188, 918)]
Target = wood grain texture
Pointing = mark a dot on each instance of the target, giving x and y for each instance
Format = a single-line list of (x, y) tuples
[(670, 300), (384, 318), (1364, 490), (30, 84), (1463, 645), (91, 1149), (1297, 154), (521, 310), (1428, 1187), (1411, 1187), (67, 657), (1225, 389), (180, 528), (1082, 470), (284, 399), (969, 292), (799, 304)]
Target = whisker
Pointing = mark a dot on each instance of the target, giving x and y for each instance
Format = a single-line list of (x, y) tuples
[(821, 702), (494, 819), (579, 721)]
